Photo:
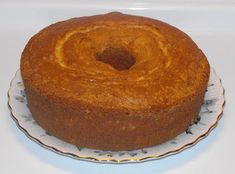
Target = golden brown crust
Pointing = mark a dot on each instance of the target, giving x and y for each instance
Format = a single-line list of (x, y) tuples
[(80, 98)]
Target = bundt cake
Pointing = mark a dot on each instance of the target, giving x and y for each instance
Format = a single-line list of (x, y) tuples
[(114, 81)]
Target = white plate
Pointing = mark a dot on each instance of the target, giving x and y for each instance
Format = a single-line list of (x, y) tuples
[(210, 113)]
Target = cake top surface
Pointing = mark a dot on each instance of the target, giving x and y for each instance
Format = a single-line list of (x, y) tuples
[(114, 61)]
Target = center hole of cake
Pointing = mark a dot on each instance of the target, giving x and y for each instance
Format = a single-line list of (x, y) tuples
[(118, 58)]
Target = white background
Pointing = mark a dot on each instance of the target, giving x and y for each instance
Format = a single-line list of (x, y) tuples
[(210, 23)]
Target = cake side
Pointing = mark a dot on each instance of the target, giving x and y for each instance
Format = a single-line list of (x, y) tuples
[(99, 128)]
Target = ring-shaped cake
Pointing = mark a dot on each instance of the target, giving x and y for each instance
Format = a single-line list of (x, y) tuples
[(114, 81)]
